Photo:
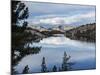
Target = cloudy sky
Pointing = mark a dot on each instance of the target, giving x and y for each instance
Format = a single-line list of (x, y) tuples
[(60, 14)]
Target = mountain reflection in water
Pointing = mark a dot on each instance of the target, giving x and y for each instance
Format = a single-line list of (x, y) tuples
[(82, 54)]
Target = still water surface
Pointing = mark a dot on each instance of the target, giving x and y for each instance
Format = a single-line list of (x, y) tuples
[(82, 54)]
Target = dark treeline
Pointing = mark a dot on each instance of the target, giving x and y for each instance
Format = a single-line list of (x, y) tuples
[(84, 33), (65, 66), (20, 34), (50, 33)]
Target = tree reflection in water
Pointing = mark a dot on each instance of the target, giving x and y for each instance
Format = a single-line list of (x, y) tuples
[(65, 66)]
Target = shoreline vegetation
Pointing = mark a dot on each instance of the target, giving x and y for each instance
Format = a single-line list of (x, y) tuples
[(84, 33), (65, 66), (22, 35)]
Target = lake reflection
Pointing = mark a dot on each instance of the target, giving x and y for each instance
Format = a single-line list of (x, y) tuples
[(82, 54)]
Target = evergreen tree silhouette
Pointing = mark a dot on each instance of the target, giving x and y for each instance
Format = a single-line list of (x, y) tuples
[(54, 68), (19, 12), (26, 69), (65, 65), (43, 65), (14, 71)]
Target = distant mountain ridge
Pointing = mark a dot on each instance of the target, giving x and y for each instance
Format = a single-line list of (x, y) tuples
[(52, 27), (85, 32)]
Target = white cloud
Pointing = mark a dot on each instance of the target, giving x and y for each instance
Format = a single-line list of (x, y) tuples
[(50, 13), (54, 20), (54, 41), (63, 41), (63, 19), (85, 16)]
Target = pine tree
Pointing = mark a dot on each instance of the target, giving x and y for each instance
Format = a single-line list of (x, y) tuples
[(14, 71), (26, 69), (19, 12), (43, 65), (65, 65), (54, 68)]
